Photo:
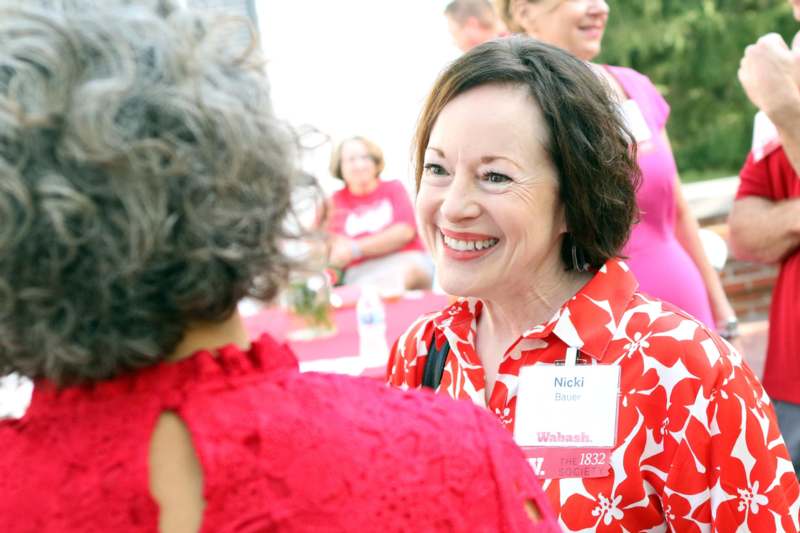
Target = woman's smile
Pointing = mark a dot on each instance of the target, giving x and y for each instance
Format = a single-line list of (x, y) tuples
[(466, 246)]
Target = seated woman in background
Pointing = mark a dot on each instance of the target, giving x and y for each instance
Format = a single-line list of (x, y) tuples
[(636, 415), (375, 236), (144, 189)]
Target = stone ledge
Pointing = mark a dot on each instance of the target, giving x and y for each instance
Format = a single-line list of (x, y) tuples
[(711, 200)]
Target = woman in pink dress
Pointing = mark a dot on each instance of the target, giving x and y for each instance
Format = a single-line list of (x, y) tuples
[(664, 251)]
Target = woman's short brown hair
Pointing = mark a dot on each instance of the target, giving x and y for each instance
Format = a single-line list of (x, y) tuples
[(588, 142), (373, 150)]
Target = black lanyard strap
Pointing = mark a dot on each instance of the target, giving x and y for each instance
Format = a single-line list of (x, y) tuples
[(434, 365)]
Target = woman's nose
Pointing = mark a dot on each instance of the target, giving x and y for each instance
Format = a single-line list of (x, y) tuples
[(460, 202)]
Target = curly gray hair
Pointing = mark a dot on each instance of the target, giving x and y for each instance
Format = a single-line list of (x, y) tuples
[(144, 184)]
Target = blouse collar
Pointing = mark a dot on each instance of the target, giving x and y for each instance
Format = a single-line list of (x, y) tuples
[(587, 321), (265, 356)]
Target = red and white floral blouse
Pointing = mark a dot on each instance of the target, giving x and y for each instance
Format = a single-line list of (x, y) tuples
[(698, 447)]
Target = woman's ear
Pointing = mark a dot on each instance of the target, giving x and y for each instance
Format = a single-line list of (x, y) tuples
[(519, 10)]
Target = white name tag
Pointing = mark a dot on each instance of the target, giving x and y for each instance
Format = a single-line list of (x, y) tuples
[(634, 120), (566, 418)]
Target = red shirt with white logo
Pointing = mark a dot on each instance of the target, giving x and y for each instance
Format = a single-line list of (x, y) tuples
[(774, 178), (697, 443), (356, 216)]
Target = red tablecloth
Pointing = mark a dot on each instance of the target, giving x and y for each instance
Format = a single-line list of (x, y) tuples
[(342, 347)]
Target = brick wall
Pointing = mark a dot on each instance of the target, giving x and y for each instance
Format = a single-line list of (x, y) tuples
[(749, 288)]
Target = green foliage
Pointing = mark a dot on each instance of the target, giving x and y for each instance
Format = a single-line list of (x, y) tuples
[(691, 50)]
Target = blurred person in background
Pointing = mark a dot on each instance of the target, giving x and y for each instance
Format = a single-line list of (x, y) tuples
[(525, 196), (472, 22), (765, 219), (664, 251), (145, 188), (375, 240)]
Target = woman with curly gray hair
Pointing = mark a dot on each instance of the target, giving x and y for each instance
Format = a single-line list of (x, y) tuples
[(144, 189)]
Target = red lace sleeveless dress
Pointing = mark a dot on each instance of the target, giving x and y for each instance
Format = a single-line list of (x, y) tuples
[(280, 451)]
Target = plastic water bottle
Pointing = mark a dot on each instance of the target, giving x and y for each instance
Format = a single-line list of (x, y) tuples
[(371, 316)]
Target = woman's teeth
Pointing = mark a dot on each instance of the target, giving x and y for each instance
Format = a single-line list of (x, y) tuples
[(468, 246)]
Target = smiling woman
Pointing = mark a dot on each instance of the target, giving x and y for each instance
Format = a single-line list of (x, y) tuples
[(474, 202), (526, 180), (556, 151), (458, 186)]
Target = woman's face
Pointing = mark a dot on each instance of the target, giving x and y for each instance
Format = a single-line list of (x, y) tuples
[(358, 168), (487, 204), (574, 25)]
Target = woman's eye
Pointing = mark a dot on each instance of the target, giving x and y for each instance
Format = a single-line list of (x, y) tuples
[(434, 169), (496, 177)]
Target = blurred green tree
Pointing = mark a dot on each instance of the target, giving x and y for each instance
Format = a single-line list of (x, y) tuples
[(691, 49)]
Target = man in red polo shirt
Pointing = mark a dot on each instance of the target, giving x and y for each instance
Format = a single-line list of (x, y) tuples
[(765, 220)]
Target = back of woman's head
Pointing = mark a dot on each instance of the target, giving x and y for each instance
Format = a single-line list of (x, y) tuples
[(144, 183), (591, 148)]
